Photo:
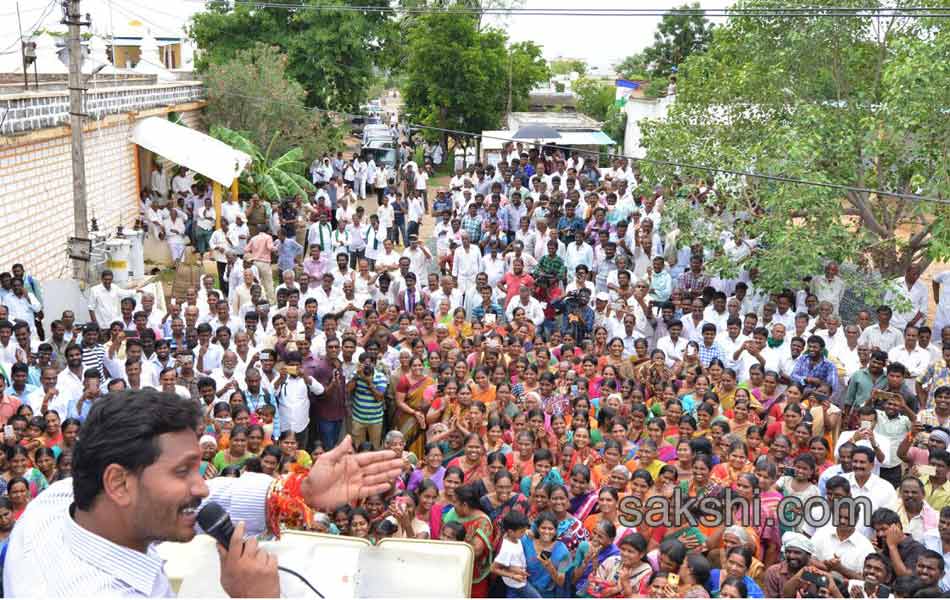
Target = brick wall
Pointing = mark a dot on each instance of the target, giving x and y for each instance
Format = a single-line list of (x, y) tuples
[(36, 198), (31, 112)]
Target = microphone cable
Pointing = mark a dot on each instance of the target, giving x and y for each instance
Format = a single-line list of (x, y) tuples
[(301, 578)]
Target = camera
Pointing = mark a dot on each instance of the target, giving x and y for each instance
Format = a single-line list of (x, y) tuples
[(820, 581)]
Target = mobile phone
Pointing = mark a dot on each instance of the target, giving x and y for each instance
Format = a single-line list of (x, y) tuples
[(820, 581), (928, 470), (820, 397), (883, 591), (291, 370), (789, 471), (927, 428), (545, 554), (673, 579), (8, 431)]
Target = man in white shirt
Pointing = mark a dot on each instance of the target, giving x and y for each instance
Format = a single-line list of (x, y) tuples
[(730, 339), (829, 287), (840, 545), (910, 354), (419, 259), (104, 300), (103, 543), (912, 291), (941, 290), (578, 252), (532, 307), (865, 483), (466, 262), (882, 335), (673, 344)]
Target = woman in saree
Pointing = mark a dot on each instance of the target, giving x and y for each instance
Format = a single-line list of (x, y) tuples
[(608, 509), (570, 530), (411, 415), (446, 500), (500, 502), (700, 484), (598, 571), (472, 461), (547, 575), (430, 469), (583, 498), (478, 534), (735, 463)]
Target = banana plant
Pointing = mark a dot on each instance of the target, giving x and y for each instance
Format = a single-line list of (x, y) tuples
[(271, 179)]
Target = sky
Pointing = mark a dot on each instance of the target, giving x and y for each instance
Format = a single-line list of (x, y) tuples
[(600, 41)]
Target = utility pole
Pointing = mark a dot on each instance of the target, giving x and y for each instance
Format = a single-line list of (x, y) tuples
[(77, 86)]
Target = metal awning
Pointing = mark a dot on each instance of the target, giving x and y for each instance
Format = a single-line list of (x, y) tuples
[(192, 149), (495, 140)]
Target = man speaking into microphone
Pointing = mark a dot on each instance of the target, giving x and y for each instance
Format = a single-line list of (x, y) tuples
[(136, 483)]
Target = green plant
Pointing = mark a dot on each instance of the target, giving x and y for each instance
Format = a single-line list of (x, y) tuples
[(271, 179)]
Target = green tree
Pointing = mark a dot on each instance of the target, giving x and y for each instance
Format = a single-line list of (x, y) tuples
[(253, 94), (527, 69), (565, 66), (596, 98), (330, 52), (456, 74), (676, 37), (849, 101), (270, 178), (634, 66)]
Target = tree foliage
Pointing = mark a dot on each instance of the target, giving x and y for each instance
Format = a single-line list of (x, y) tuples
[(330, 52), (566, 66), (675, 39), (852, 101), (597, 98), (456, 76), (271, 178), (253, 94)]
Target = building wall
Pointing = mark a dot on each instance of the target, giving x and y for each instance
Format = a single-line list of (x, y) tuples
[(637, 109), (36, 198)]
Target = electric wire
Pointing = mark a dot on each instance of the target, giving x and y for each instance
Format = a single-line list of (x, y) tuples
[(669, 163), (816, 11)]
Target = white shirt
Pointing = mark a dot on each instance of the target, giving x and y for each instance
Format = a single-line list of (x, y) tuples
[(874, 337), (828, 290), (918, 298), (576, 255), (851, 550), (511, 556), (466, 264), (532, 310), (70, 389), (59, 402), (293, 401), (916, 360), (88, 565), (104, 303), (673, 350), (943, 302), (879, 492)]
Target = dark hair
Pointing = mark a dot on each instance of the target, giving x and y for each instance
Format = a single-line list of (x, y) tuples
[(514, 520), (469, 495), (636, 541), (675, 550), (884, 516), (230, 471), (737, 583), (455, 529), (700, 567), (123, 429)]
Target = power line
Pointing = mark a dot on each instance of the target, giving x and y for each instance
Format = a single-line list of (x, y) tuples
[(868, 12), (669, 163), (32, 30)]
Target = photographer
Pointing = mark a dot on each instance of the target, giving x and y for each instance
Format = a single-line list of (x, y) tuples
[(367, 390), (577, 318)]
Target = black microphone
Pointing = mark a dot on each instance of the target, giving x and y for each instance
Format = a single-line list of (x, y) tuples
[(217, 523)]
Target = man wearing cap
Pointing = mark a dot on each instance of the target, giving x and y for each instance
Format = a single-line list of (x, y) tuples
[(778, 580)]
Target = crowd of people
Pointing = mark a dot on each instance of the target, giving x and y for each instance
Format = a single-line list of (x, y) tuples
[(544, 354)]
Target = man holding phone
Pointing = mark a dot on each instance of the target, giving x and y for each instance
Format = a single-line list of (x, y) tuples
[(367, 391), (293, 389)]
